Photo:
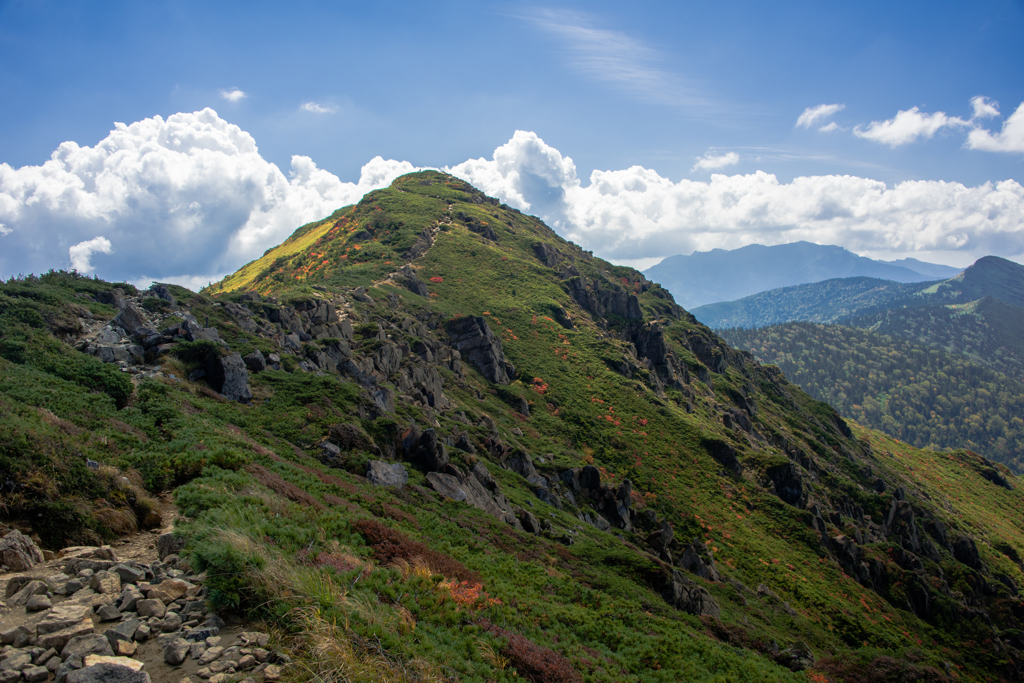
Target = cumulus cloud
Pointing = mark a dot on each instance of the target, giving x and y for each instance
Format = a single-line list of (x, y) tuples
[(184, 197), (189, 198), (831, 127), (813, 115), (907, 126), (984, 107), (710, 162), (318, 108), (233, 95), (81, 253), (4, 230), (1010, 139), (635, 213)]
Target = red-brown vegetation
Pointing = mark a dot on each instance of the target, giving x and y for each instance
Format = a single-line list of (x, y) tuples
[(390, 545), (533, 662)]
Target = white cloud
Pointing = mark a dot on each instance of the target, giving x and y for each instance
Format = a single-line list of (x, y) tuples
[(813, 115), (984, 107), (188, 199), (710, 162), (4, 230), (233, 95), (1010, 139), (318, 108), (81, 253), (907, 126), (830, 128), (636, 214), (184, 197)]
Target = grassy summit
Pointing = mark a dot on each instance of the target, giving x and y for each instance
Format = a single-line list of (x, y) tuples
[(669, 508)]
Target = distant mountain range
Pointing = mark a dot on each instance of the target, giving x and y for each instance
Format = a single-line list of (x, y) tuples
[(706, 277), (939, 365), (841, 299), (978, 314)]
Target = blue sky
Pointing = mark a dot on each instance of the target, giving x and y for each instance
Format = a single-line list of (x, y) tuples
[(611, 85)]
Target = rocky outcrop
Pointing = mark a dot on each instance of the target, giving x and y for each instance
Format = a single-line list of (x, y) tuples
[(684, 594), (476, 343), (129, 319), (603, 299), (477, 488), (698, 559)]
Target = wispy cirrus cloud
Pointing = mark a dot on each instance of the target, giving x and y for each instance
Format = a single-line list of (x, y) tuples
[(814, 115), (618, 59), (711, 161), (233, 94), (318, 108)]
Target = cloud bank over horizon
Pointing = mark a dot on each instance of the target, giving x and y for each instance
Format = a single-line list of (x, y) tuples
[(189, 199)]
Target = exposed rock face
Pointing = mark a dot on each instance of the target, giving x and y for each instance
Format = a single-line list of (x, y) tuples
[(604, 298), (431, 452), (472, 491), (386, 474), (965, 551), (230, 377), (686, 595), (19, 552), (788, 483), (698, 559), (473, 338), (724, 454), (662, 538), (411, 281)]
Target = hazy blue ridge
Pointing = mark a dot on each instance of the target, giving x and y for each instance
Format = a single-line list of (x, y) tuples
[(721, 275)]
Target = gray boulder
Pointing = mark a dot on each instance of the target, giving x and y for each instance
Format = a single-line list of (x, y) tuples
[(129, 320), (169, 544), (255, 361), (19, 552), (107, 673), (27, 592), (175, 651), (113, 297), (386, 474), (91, 644), (230, 377)]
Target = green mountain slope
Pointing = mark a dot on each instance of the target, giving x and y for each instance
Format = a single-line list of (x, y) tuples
[(599, 488), (987, 331), (924, 396)]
